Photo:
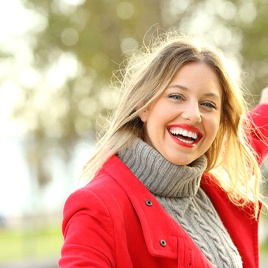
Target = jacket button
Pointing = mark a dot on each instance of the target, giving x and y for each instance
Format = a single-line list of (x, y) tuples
[(163, 243), (149, 203)]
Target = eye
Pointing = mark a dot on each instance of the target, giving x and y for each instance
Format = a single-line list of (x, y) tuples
[(175, 96), (209, 105)]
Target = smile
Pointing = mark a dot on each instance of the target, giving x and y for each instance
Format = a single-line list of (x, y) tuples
[(187, 137)]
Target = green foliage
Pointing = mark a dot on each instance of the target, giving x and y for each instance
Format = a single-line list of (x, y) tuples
[(96, 35), (76, 45)]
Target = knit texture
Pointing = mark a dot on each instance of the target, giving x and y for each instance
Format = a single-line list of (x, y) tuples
[(177, 188)]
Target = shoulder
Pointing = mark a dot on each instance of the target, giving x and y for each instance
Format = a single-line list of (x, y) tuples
[(220, 198), (103, 185), (108, 194), (97, 207), (98, 193)]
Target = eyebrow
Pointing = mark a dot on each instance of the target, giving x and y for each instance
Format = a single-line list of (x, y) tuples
[(209, 94)]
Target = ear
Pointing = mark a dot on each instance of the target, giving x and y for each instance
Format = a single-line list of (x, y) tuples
[(144, 115)]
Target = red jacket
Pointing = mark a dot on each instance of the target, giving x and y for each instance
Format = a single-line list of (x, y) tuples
[(116, 222)]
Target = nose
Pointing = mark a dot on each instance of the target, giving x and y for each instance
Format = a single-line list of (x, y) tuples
[(192, 113)]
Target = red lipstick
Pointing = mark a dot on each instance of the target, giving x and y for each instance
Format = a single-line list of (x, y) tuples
[(185, 135)]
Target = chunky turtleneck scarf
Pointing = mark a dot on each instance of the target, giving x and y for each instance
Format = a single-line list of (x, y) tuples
[(177, 188)]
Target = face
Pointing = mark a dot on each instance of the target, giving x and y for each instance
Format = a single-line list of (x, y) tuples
[(183, 122)]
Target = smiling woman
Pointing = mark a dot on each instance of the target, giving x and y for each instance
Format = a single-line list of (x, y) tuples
[(183, 122), (152, 199)]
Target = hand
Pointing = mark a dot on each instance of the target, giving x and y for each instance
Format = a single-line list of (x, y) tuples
[(264, 96)]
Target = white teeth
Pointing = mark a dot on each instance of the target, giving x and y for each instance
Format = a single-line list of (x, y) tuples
[(183, 132), (194, 135), (188, 142)]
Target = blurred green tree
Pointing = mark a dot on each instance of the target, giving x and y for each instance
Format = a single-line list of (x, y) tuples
[(83, 41)]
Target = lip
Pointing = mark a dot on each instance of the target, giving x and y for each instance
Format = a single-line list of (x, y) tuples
[(188, 128)]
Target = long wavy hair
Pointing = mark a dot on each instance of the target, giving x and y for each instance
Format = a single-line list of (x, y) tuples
[(145, 77)]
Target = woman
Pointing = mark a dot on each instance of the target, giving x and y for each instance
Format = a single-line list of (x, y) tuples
[(174, 181)]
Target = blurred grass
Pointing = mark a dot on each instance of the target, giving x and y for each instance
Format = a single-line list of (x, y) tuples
[(264, 238), (17, 244), (264, 248), (41, 242)]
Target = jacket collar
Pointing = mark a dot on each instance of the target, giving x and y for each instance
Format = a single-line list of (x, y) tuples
[(163, 236), (157, 225), (159, 229)]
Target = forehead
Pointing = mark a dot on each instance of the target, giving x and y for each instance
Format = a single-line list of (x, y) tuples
[(198, 77)]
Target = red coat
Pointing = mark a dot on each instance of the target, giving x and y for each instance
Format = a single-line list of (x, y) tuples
[(260, 117), (116, 222)]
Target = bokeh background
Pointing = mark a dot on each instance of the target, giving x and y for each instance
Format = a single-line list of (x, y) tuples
[(57, 58)]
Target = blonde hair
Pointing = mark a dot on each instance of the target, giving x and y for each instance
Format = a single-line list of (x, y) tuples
[(146, 76)]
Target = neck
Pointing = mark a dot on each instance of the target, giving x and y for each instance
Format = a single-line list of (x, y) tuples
[(160, 176)]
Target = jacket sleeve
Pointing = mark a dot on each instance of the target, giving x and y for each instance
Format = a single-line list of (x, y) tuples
[(259, 133), (88, 232)]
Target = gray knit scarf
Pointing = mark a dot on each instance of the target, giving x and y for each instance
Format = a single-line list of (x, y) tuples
[(177, 188)]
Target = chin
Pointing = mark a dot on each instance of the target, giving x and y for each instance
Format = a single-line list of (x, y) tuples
[(179, 162)]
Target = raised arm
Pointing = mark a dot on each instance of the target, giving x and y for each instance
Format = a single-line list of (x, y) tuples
[(259, 135)]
